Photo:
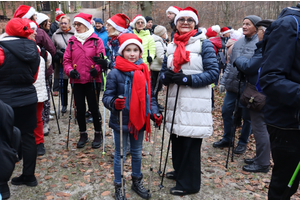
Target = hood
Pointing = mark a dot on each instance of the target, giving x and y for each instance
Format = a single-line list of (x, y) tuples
[(217, 42), (142, 33), (6, 121), (157, 38), (23, 48), (72, 31), (289, 11)]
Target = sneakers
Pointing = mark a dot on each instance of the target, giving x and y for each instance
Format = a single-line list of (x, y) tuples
[(4, 191), (118, 191), (97, 140), (180, 192), (41, 149), (46, 129), (171, 175), (52, 112), (51, 117), (82, 140), (137, 186), (28, 180)]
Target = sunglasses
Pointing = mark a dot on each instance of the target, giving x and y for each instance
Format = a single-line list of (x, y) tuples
[(183, 20), (64, 23), (138, 23)]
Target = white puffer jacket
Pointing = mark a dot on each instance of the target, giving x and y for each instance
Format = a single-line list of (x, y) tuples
[(40, 83), (193, 113), (161, 49)]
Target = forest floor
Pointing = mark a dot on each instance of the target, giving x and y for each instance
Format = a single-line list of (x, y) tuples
[(88, 173)]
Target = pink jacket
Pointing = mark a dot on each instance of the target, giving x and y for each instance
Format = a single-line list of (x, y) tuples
[(82, 56)]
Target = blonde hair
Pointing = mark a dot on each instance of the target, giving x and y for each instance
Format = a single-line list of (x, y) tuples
[(115, 33), (65, 17)]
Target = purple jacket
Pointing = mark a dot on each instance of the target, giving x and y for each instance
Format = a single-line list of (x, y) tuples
[(43, 40), (82, 56)]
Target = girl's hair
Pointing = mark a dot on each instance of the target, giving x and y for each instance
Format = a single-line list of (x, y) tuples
[(44, 24), (65, 17)]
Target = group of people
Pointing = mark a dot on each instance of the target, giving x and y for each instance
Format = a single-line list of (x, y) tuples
[(140, 61)]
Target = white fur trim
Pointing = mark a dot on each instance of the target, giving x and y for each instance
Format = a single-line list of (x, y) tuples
[(228, 31), (33, 25), (216, 28), (136, 19), (130, 41), (173, 10), (186, 13), (83, 21), (29, 14), (118, 28)]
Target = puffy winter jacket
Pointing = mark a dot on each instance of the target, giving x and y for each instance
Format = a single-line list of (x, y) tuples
[(160, 52), (82, 56), (60, 40), (280, 74), (243, 47), (102, 33), (148, 44), (193, 113), (17, 71), (120, 83)]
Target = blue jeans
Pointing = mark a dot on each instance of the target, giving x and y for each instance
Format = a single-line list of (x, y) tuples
[(135, 150), (227, 114)]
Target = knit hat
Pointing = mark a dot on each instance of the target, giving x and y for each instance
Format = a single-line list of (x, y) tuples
[(99, 20), (119, 21), (18, 27), (160, 30), (58, 14), (85, 19), (174, 9), (24, 11), (266, 23), (148, 18), (213, 31), (188, 12), (253, 18), (40, 17), (136, 18), (225, 30), (129, 38)]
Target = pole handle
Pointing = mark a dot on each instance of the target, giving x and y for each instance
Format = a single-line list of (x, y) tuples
[(74, 66)]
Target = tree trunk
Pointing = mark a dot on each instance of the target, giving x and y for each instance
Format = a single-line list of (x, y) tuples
[(53, 6), (146, 7), (13, 7), (3, 7), (38, 6)]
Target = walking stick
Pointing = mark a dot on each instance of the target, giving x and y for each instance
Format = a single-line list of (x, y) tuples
[(60, 89), (121, 149), (173, 118), (104, 86), (235, 121), (152, 156), (287, 190), (70, 114)]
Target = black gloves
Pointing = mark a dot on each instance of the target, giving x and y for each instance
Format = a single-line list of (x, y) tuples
[(149, 59), (167, 77), (182, 79), (93, 72), (74, 74), (102, 62)]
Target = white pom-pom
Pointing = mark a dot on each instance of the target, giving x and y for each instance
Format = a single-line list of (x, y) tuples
[(216, 28)]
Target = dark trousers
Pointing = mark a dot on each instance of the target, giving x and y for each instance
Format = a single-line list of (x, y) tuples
[(186, 157), (154, 77), (285, 150), (25, 120), (82, 91), (64, 92), (55, 84)]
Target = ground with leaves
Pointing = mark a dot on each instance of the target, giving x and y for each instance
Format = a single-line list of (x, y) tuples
[(88, 174)]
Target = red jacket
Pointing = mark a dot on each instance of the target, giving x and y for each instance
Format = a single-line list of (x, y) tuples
[(216, 41)]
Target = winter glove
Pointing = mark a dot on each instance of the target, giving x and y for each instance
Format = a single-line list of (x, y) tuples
[(120, 103), (167, 77), (74, 74), (149, 59), (222, 88), (182, 79), (93, 72), (158, 120)]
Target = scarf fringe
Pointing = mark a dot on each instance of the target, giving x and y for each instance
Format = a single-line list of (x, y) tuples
[(134, 131)]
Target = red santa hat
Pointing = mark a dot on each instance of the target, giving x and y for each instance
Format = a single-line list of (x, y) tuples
[(173, 9), (58, 14), (119, 21), (136, 18), (188, 12), (24, 11), (85, 19), (225, 30), (213, 31), (129, 38), (18, 27)]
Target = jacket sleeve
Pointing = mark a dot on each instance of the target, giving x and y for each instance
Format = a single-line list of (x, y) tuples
[(100, 49), (152, 47), (67, 61), (279, 61), (164, 67), (111, 92), (210, 66), (249, 66), (160, 52), (48, 44), (153, 105)]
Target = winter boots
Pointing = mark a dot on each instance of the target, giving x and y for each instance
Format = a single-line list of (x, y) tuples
[(118, 191), (97, 140), (82, 140), (137, 186), (28, 180)]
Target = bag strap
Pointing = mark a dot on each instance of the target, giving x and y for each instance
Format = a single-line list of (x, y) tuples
[(64, 39)]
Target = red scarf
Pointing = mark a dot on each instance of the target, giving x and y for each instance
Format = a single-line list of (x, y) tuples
[(137, 114), (181, 56)]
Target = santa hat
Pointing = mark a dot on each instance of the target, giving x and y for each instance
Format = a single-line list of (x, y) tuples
[(18, 27), (129, 38), (119, 21), (188, 12), (173, 9), (136, 18), (85, 19), (40, 17), (225, 30), (58, 14), (33, 25), (213, 31), (24, 11)]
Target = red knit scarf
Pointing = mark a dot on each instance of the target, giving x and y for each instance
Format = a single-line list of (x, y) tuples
[(181, 56), (137, 110)]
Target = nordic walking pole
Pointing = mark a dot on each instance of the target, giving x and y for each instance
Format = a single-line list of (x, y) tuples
[(121, 148), (163, 134), (104, 86), (70, 114), (287, 190), (152, 156), (173, 118), (60, 90)]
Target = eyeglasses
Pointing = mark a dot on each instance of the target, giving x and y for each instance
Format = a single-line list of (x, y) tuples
[(65, 23), (138, 23), (78, 24), (183, 20)]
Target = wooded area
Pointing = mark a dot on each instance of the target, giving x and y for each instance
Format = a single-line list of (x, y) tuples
[(224, 13)]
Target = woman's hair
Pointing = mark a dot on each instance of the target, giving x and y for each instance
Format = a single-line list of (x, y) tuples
[(65, 17), (116, 32), (43, 25)]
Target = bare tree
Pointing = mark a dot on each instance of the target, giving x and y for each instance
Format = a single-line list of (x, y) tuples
[(146, 7), (3, 7)]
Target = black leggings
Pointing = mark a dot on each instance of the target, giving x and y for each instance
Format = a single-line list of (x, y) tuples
[(82, 91), (154, 77), (64, 92)]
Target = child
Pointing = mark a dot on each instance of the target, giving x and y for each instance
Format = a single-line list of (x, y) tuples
[(130, 78)]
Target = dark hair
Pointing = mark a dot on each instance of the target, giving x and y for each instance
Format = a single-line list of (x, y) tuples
[(43, 25)]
